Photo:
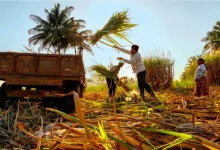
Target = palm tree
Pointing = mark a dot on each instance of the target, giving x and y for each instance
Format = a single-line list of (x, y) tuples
[(189, 70), (58, 31), (212, 39), (80, 41)]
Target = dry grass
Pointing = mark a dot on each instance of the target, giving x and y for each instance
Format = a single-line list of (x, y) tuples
[(26, 112), (181, 122)]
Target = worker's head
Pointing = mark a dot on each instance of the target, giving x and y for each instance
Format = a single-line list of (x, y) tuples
[(200, 61), (134, 49), (121, 63)]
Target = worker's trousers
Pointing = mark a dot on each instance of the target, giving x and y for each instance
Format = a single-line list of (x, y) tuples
[(111, 87), (142, 84)]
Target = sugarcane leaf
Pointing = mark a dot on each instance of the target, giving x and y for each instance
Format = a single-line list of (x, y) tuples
[(117, 25), (71, 118)]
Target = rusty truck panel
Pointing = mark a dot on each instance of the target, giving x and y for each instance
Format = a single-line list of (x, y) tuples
[(48, 65), (7, 64), (41, 64)]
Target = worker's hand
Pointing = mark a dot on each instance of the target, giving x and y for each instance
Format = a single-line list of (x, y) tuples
[(119, 58), (115, 46)]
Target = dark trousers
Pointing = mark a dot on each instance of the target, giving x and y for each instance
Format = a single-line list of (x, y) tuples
[(142, 84), (111, 87)]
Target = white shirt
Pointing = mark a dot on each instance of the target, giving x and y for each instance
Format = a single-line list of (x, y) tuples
[(135, 61), (201, 72)]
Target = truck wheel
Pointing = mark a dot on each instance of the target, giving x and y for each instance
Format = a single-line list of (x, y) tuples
[(3, 95), (69, 104), (71, 86)]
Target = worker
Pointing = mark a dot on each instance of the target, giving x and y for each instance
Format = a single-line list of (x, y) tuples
[(111, 82), (138, 68), (201, 81)]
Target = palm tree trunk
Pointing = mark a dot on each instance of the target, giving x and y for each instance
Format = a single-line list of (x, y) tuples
[(58, 49)]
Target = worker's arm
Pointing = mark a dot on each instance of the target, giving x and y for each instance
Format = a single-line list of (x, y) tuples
[(135, 58), (126, 60), (123, 50)]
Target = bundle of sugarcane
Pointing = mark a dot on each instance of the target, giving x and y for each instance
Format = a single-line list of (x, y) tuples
[(117, 25), (123, 83), (103, 71)]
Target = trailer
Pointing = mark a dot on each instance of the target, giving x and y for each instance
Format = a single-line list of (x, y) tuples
[(40, 75)]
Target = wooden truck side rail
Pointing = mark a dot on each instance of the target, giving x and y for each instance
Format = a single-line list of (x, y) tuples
[(40, 64)]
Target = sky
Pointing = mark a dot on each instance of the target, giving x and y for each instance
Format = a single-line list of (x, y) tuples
[(174, 27)]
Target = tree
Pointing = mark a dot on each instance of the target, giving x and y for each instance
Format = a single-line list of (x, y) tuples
[(59, 31), (190, 69), (80, 41), (212, 39)]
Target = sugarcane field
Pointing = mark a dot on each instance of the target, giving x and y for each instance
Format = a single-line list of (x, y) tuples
[(109, 75)]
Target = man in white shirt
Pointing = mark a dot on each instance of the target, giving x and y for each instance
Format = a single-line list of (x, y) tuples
[(138, 68)]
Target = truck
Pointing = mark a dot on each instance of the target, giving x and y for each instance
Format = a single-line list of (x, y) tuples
[(44, 76)]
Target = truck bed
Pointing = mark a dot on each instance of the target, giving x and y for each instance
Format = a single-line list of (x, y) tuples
[(40, 69)]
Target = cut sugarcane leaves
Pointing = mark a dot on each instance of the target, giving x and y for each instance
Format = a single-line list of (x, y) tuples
[(117, 26), (103, 71)]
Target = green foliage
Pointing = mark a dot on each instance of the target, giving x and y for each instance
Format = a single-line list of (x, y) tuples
[(103, 136), (212, 39), (183, 84), (189, 71), (213, 63), (97, 88)]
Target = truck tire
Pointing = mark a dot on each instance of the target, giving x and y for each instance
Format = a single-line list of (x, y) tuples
[(65, 104), (69, 104), (3, 94), (69, 86)]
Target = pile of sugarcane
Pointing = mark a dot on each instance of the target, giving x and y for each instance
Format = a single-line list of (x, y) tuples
[(117, 25), (123, 83)]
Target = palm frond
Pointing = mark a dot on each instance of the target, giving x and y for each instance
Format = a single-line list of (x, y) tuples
[(39, 20)]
